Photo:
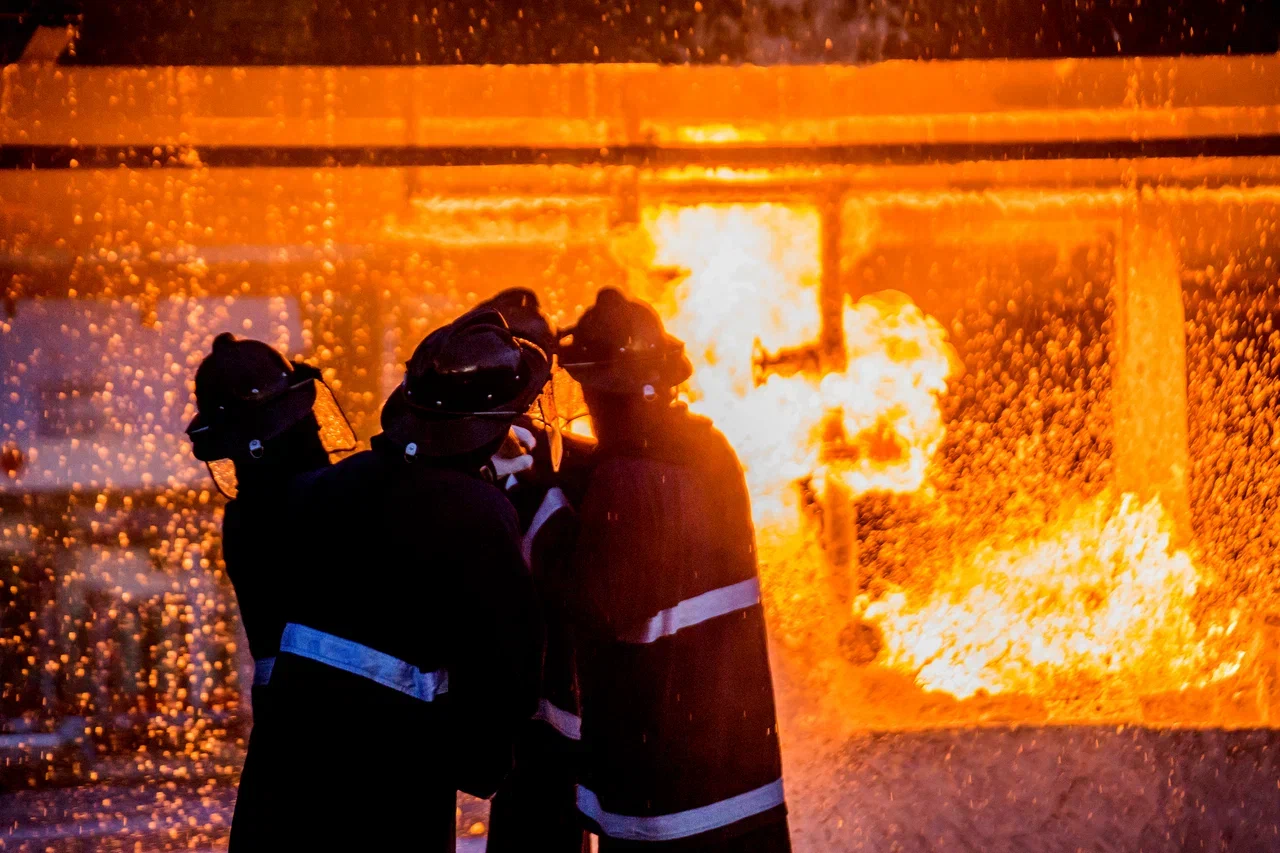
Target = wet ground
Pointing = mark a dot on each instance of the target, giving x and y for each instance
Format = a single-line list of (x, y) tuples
[(131, 811), (1040, 790), (1021, 790)]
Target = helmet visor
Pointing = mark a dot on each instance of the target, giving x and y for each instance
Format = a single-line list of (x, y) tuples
[(214, 442), (223, 472), (544, 414), (336, 433)]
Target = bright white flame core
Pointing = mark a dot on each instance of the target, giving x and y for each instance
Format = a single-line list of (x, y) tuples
[(753, 275)]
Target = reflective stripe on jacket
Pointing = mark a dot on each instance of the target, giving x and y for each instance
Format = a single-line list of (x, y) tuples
[(678, 721)]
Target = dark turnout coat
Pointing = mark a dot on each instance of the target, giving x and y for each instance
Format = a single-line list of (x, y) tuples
[(678, 722), (410, 658), (259, 556), (536, 807)]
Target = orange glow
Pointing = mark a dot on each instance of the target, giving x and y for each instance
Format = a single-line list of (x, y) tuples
[(718, 134), (752, 283), (544, 220), (899, 362), (1097, 596), (1100, 595)]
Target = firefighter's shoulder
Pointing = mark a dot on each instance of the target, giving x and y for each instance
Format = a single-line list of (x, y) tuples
[(474, 503), (334, 482)]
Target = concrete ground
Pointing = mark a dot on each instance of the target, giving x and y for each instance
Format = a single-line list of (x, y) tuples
[(992, 790), (1039, 790), (147, 815)]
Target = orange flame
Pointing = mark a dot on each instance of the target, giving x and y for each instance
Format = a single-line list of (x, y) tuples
[(1100, 595), (752, 275), (898, 364)]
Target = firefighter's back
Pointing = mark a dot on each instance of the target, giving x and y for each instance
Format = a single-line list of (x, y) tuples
[(259, 562), (678, 711), (413, 564)]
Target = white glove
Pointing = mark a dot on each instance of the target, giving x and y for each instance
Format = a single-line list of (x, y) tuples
[(523, 437), (515, 454), (510, 467)]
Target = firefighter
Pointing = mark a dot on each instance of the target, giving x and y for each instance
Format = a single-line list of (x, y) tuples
[(535, 809), (413, 651), (679, 729), (257, 427)]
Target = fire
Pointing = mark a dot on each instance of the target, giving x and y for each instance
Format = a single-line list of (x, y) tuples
[(887, 397), (1100, 596), (752, 273), (750, 281)]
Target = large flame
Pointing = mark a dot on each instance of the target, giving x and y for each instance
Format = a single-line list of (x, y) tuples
[(1101, 596), (752, 274), (1101, 593), (887, 397), (750, 280)]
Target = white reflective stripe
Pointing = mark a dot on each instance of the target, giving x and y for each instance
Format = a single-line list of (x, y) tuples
[(692, 611), (567, 724), (357, 659), (668, 827), (262, 671), (552, 502)]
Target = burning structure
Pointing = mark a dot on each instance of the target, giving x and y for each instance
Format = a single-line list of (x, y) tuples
[(994, 341)]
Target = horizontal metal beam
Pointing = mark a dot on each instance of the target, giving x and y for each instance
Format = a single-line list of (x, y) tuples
[(14, 157)]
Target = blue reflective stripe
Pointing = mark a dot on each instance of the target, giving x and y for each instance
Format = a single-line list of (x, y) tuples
[(552, 502), (566, 723), (262, 671), (668, 827), (692, 611), (357, 659)]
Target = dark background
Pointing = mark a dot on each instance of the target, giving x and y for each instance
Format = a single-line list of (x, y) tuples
[(378, 32)]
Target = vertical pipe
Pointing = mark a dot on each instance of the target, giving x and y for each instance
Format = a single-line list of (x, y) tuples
[(1266, 657), (840, 514), (831, 293), (1149, 367), (626, 197)]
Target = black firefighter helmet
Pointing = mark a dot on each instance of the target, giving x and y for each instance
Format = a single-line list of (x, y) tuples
[(519, 307), (620, 346), (247, 394), (464, 385)]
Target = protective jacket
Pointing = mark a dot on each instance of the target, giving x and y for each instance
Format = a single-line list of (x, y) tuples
[(536, 809), (411, 654), (259, 558), (679, 730)]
